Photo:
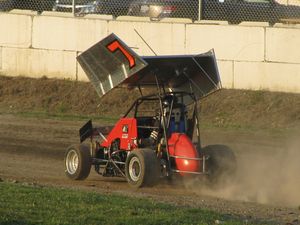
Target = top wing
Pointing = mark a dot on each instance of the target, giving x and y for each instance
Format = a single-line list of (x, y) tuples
[(111, 63), (189, 73), (108, 63)]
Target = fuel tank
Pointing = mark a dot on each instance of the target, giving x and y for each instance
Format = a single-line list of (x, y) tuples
[(181, 146)]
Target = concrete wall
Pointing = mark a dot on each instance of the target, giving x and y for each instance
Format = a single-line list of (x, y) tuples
[(250, 55)]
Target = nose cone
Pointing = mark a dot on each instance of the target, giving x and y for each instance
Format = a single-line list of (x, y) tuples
[(180, 145)]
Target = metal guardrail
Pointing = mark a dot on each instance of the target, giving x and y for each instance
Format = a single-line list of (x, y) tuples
[(233, 11)]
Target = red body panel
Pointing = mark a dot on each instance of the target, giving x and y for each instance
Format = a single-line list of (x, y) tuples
[(126, 131), (180, 145)]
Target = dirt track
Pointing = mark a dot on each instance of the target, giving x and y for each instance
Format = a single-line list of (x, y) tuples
[(32, 150)]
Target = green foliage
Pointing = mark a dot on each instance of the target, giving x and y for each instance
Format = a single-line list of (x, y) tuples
[(62, 116), (21, 204), (62, 107)]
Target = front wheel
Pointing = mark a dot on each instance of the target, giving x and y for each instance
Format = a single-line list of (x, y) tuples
[(142, 168), (221, 163), (78, 162)]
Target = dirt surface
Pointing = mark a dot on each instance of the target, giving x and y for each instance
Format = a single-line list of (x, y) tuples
[(265, 188), (32, 150)]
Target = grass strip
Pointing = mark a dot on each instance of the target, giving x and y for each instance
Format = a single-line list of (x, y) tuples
[(60, 116), (204, 125), (25, 204)]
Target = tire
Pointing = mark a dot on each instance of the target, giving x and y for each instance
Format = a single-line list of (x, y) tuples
[(221, 163), (78, 162), (234, 22), (142, 168), (272, 23)]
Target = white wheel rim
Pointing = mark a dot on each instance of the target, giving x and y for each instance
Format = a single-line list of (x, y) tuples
[(72, 162), (135, 169)]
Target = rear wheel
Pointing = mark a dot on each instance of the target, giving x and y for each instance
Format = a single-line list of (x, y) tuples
[(78, 162), (142, 168), (221, 163)]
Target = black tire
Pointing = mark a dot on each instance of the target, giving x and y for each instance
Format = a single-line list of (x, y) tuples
[(234, 22), (78, 162), (221, 163), (272, 23), (142, 168)]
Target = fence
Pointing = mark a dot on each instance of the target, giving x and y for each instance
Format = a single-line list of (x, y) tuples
[(250, 55), (233, 11)]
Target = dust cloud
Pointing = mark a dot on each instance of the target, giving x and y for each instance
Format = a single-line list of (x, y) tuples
[(263, 177)]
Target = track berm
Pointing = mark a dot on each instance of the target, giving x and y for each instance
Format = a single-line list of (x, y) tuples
[(262, 127)]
